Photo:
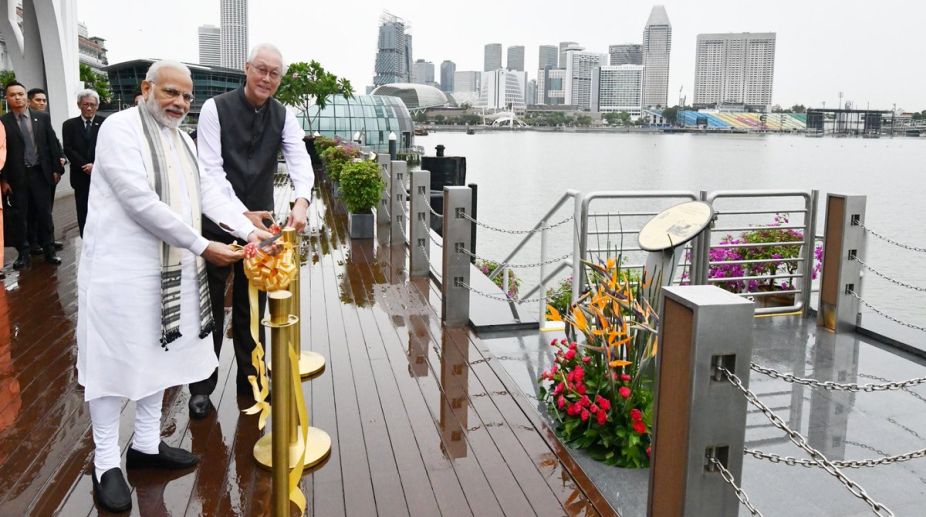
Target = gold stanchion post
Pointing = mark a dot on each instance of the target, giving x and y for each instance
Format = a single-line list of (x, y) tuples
[(281, 324), (310, 363)]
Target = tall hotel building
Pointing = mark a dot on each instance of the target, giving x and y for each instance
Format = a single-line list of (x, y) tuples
[(210, 45), (492, 57), (393, 52), (578, 84), (234, 33), (657, 45), (736, 70), (617, 88)]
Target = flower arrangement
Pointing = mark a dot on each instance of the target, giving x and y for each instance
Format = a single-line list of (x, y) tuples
[(600, 392), (561, 295), (335, 157), (514, 282)]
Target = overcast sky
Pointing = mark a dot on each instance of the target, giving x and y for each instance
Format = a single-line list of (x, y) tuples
[(866, 49)]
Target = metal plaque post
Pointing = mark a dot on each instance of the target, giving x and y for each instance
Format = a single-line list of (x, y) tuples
[(398, 204), (456, 265), (419, 224), (842, 275)]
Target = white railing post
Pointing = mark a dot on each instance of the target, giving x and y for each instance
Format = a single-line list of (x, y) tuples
[(385, 170), (420, 224), (397, 207), (843, 241), (543, 274), (455, 269)]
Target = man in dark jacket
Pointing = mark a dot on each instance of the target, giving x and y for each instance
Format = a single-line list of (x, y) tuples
[(79, 134), (38, 101), (32, 169)]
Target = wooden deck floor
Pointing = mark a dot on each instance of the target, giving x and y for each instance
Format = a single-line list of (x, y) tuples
[(423, 420)]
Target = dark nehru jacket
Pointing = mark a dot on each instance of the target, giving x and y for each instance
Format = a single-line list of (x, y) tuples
[(250, 145)]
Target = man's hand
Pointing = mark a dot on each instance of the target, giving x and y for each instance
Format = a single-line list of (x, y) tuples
[(221, 254), (257, 218), (87, 168), (259, 235), (298, 215), (63, 161), (6, 188), (55, 176)]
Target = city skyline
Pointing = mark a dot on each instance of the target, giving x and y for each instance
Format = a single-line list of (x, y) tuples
[(813, 57)]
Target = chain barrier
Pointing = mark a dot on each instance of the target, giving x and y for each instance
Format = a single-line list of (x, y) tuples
[(837, 386), (797, 439), (439, 245), (435, 214), (850, 464), (501, 298), (885, 315), (517, 232), (516, 266), (892, 241), (728, 477), (889, 279), (882, 379)]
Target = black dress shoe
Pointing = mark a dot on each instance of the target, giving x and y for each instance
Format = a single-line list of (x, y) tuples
[(111, 491), (22, 261), (167, 458), (52, 259), (59, 245), (36, 250), (200, 406)]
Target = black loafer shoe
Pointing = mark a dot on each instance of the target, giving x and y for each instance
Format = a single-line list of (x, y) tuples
[(167, 458), (52, 259), (36, 250), (111, 492), (200, 406), (22, 261), (59, 245)]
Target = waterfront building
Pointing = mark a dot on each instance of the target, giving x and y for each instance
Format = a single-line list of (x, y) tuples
[(208, 81), (392, 63), (563, 45), (551, 86), (531, 98), (657, 47), (415, 96), (579, 67), (422, 72), (447, 70), (374, 116), (210, 45), (466, 86), (503, 90), (234, 33), (617, 88), (492, 59), (516, 58), (91, 50), (547, 55), (735, 69), (625, 54)]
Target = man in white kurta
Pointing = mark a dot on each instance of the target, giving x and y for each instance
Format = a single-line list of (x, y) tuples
[(119, 328)]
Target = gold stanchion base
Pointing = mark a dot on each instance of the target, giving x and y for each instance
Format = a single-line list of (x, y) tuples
[(311, 364), (319, 449)]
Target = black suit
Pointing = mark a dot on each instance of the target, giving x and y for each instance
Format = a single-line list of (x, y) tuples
[(80, 148), (31, 185)]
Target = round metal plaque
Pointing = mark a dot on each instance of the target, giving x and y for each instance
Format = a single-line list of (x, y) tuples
[(675, 226)]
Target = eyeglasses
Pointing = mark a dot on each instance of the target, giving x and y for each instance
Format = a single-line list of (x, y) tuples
[(274, 74), (173, 93)]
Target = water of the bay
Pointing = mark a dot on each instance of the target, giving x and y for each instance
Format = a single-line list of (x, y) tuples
[(521, 173)]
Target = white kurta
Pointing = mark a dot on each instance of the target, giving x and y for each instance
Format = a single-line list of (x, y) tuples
[(119, 276)]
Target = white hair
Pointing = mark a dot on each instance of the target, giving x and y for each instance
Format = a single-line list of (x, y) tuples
[(156, 67), (83, 94), (269, 47)]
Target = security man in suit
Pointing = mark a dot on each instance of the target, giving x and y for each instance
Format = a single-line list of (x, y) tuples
[(32, 169), (38, 101), (79, 134)]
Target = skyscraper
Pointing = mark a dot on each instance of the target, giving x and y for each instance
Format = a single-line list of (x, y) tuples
[(234, 33), (547, 56), (422, 72), (626, 54), (210, 45), (657, 45), (493, 57), (393, 51), (447, 69), (516, 58), (735, 68), (563, 45), (617, 88), (579, 67)]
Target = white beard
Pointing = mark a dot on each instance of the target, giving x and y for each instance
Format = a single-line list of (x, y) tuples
[(160, 115)]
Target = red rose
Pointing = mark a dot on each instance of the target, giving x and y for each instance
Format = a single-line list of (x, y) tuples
[(593, 408), (602, 417), (602, 402), (561, 402), (579, 374), (574, 409), (586, 359), (553, 343), (581, 389), (624, 392), (625, 377), (639, 427), (649, 451), (571, 376), (572, 346), (636, 414), (559, 388), (563, 341), (584, 415), (570, 354), (585, 401)]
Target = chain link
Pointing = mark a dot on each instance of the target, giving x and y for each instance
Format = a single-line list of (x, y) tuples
[(517, 232), (889, 279), (797, 439), (728, 477), (516, 266), (439, 245), (500, 298), (885, 315), (892, 241), (435, 214), (850, 464), (837, 386)]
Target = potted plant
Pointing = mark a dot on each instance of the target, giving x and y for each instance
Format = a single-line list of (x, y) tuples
[(599, 391), (335, 157), (361, 188), (514, 283)]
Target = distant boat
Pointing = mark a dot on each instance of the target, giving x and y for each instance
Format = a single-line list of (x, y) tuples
[(470, 131), (420, 131)]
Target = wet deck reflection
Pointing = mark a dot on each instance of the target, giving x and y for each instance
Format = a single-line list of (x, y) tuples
[(423, 420)]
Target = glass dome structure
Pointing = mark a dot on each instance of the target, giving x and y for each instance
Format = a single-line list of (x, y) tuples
[(373, 116)]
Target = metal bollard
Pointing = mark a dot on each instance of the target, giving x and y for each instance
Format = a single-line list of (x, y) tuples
[(284, 437), (420, 224), (842, 274), (698, 414), (455, 264), (385, 170), (397, 205)]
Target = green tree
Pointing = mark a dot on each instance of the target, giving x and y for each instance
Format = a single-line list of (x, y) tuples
[(670, 114), (7, 76), (308, 84), (439, 119), (798, 108), (96, 82)]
